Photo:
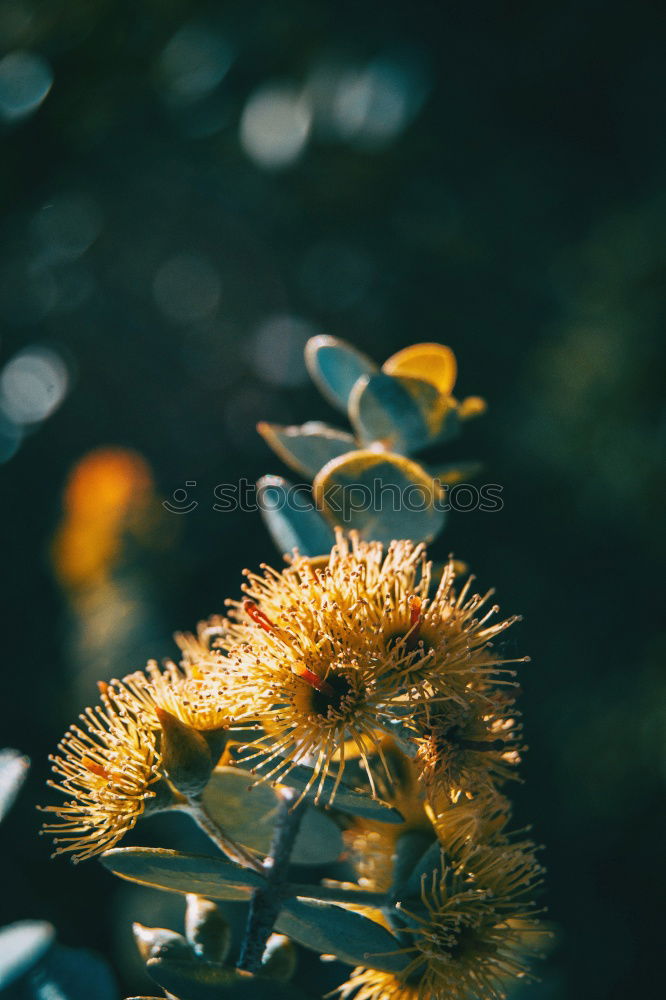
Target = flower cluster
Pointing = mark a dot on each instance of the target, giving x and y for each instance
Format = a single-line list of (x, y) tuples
[(463, 890), (365, 663)]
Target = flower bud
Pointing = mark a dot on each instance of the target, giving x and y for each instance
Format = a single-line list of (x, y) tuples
[(206, 929), (186, 756), (279, 959), (160, 942)]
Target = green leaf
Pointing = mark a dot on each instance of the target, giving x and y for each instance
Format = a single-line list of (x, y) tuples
[(247, 810), (210, 981), (381, 495), (308, 447), (410, 849), (191, 980), (429, 862), (22, 945), (333, 930), (349, 800), (335, 366), (292, 519), (73, 974), (393, 411), (13, 772), (165, 869)]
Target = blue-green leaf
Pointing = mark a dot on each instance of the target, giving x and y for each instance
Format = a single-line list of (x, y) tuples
[(410, 848), (13, 772), (248, 810), (334, 930), (22, 946), (347, 799), (209, 981), (393, 411), (191, 980), (335, 367), (291, 518), (381, 495), (308, 447), (165, 869), (73, 974), (429, 861)]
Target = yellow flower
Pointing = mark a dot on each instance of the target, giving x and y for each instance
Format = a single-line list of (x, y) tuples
[(324, 654), (200, 652), (481, 819), (468, 748), (372, 845), (198, 698), (106, 769), (372, 984), (472, 933)]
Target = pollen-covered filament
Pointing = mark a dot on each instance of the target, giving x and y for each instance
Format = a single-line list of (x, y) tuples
[(264, 622)]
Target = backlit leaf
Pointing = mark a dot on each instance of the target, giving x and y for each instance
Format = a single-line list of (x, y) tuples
[(292, 519), (335, 367), (308, 447), (247, 810), (209, 981), (165, 869), (22, 946), (13, 772), (433, 363), (393, 411), (381, 495), (73, 974), (334, 930), (347, 799)]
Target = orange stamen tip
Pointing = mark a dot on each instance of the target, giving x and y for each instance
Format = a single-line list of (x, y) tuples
[(95, 768), (102, 687), (415, 605), (258, 617)]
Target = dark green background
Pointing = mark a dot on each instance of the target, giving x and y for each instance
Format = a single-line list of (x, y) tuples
[(519, 218)]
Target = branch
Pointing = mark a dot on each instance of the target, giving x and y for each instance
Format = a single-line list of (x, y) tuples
[(265, 903)]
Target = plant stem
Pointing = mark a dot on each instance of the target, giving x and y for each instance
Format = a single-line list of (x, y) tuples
[(235, 852), (335, 894), (265, 903)]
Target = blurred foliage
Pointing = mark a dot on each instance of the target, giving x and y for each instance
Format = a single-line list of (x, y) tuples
[(188, 192)]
